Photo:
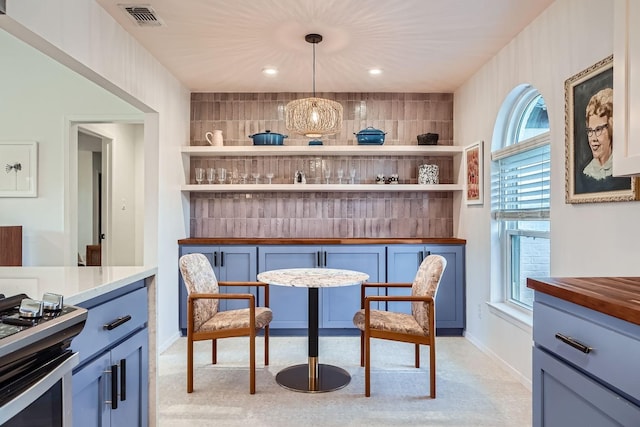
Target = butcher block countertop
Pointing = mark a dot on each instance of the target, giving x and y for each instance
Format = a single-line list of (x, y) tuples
[(320, 241), (615, 296)]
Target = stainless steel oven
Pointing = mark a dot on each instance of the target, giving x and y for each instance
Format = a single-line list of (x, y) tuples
[(36, 361)]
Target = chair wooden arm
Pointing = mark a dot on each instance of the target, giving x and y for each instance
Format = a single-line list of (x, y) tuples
[(407, 298), (256, 284), (365, 285), (250, 297)]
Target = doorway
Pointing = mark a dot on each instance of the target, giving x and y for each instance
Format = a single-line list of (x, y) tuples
[(109, 193)]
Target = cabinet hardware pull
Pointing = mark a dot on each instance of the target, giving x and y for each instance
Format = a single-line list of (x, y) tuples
[(573, 343), (325, 259), (119, 321), (319, 264), (221, 259), (215, 259), (114, 386), (123, 379), (420, 257)]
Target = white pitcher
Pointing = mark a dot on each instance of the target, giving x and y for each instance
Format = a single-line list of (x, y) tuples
[(214, 138)]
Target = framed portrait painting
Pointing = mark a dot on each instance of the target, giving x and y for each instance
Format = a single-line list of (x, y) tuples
[(589, 139), (473, 174), (18, 169)]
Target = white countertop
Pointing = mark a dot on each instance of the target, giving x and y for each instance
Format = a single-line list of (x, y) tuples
[(312, 277), (76, 284)]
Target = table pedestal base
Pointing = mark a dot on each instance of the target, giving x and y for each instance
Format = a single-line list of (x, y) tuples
[(301, 377)]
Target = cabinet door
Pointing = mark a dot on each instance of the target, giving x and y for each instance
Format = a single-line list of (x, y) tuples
[(237, 264), (289, 304), (338, 305), (403, 262), (563, 396), (132, 359), (91, 389)]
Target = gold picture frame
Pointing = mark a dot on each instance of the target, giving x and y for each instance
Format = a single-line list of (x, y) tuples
[(589, 174)]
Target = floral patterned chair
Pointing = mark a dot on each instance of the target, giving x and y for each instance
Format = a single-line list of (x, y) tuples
[(417, 327), (206, 322)]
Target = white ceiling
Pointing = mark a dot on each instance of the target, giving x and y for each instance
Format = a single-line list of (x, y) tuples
[(421, 45)]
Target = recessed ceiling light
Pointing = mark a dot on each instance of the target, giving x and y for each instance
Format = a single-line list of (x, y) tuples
[(270, 71), (375, 71)]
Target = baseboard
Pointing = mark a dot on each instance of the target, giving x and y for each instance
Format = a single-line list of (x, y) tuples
[(517, 375), (166, 344)]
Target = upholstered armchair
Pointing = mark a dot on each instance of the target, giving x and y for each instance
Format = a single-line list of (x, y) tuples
[(206, 322), (417, 328)]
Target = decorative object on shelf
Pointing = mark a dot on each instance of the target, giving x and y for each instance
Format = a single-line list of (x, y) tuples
[(380, 179), (299, 178), (370, 136), (428, 139), (428, 174), (268, 138), (393, 179), (20, 163), (315, 142), (313, 117), (589, 139), (211, 175), (214, 138), (473, 172)]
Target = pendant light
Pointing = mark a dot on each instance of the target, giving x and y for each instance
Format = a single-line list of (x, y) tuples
[(313, 117)]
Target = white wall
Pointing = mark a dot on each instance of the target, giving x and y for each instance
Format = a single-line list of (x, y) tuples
[(586, 240), (79, 34)]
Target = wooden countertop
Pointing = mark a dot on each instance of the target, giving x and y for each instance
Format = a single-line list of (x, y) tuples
[(616, 296), (319, 241)]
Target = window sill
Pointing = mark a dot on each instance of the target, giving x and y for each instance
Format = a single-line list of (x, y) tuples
[(521, 318)]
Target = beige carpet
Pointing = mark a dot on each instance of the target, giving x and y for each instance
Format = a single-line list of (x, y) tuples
[(472, 390)]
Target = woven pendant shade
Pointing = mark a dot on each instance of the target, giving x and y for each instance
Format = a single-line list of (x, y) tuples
[(313, 117)]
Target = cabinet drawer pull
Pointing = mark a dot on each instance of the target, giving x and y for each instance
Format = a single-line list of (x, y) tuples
[(573, 343), (114, 386), (123, 379), (119, 321)]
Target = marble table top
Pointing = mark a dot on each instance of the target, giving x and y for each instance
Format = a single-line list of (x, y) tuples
[(312, 277)]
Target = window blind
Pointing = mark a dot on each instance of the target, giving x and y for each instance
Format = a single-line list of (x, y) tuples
[(520, 180)]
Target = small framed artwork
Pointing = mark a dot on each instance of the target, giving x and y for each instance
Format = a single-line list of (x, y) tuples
[(473, 173), (589, 139), (18, 169)]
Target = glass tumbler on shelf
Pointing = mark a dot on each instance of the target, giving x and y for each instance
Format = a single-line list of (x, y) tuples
[(256, 176), (340, 175), (199, 175), (352, 174), (222, 175), (211, 175), (270, 176)]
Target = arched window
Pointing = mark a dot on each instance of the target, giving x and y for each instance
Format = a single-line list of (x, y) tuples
[(520, 192)]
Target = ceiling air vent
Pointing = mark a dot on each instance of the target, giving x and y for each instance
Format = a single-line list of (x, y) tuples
[(142, 14)]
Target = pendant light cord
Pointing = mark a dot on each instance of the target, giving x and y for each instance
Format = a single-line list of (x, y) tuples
[(314, 70)]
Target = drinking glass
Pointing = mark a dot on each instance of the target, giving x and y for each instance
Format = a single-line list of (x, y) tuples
[(270, 177), (211, 175), (222, 175), (256, 176), (327, 174), (244, 176), (352, 174), (340, 175), (199, 175)]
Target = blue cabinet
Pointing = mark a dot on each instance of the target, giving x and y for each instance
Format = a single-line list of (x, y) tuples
[(584, 366), (402, 264), (337, 305), (110, 385), (233, 263)]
